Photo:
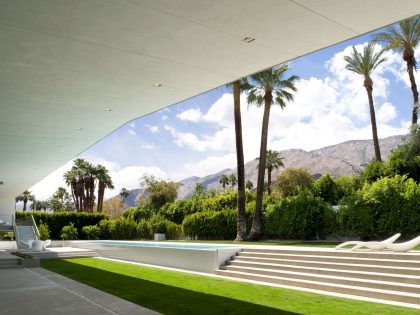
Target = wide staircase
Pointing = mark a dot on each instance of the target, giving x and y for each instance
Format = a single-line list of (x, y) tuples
[(10, 263), (25, 230), (379, 275)]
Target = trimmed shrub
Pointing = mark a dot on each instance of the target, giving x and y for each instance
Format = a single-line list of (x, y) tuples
[(299, 217), (144, 230), (69, 232), (214, 224), (107, 229), (92, 232), (158, 224), (384, 207), (44, 232), (124, 229), (56, 221)]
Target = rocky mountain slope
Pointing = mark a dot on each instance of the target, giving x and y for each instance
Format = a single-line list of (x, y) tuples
[(345, 158)]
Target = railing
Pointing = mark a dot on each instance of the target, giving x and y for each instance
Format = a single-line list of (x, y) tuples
[(15, 230), (34, 227)]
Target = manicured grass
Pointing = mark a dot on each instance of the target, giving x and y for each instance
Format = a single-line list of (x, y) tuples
[(178, 293)]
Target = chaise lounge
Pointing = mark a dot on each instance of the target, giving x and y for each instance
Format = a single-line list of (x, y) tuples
[(390, 240), (400, 247)]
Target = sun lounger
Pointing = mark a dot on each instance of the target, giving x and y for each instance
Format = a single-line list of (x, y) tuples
[(399, 247), (390, 240)]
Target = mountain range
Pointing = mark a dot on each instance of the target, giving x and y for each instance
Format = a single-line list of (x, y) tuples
[(346, 158)]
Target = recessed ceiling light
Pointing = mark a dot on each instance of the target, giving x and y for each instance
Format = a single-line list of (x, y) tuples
[(108, 109), (79, 129), (157, 84), (248, 39)]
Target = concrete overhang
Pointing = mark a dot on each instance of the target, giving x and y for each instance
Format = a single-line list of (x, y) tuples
[(63, 63)]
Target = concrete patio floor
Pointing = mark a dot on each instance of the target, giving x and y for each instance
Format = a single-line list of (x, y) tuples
[(39, 291)]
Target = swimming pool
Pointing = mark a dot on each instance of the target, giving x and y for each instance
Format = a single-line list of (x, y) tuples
[(165, 245), (189, 256)]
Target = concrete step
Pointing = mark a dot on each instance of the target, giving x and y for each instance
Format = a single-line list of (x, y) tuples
[(412, 255), (332, 265), (8, 263), (359, 282), (58, 255), (409, 279), (334, 259), (10, 266), (404, 297)]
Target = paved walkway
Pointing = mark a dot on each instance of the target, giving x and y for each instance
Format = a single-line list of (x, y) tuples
[(39, 291)]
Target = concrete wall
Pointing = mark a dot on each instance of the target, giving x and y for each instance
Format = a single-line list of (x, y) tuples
[(207, 260)]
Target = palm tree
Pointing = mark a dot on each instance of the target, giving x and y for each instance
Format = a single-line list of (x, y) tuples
[(274, 161), (105, 181), (124, 193), (241, 222), (249, 184), (405, 38), (269, 88), (61, 194), (71, 178), (224, 181), (363, 64), (25, 197), (232, 180)]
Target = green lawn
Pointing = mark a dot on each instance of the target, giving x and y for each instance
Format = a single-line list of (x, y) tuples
[(171, 292)]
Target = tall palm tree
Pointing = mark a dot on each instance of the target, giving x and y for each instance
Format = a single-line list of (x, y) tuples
[(224, 181), (267, 88), (25, 197), (364, 63), (105, 181), (241, 221), (124, 193), (274, 161), (71, 178), (405, 38)]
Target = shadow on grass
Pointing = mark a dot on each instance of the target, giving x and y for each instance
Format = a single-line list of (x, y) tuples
[(160, 297)]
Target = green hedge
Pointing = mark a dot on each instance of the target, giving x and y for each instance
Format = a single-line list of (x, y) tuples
[(57, 220), (299, 217), (126, 229), (382, 208), (213, 224)]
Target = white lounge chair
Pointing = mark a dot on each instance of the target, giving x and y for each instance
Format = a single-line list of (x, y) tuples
[(399, 247), (45, 244), (390, 240), (28, 243)]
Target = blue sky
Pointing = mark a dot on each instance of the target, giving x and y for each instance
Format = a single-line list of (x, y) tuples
[(196, 136)]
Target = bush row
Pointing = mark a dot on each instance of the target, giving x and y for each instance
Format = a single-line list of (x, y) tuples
[(57, 220), (382, 208), (126, 229)]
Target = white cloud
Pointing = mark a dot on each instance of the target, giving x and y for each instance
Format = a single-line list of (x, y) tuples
[(192, 114), (152, 129), (131, 132), (164, 117), (210, 165), (133, 124), (150, 146), (386, 113)]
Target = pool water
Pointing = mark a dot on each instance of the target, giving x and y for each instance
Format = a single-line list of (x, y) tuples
[(163, 245)]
